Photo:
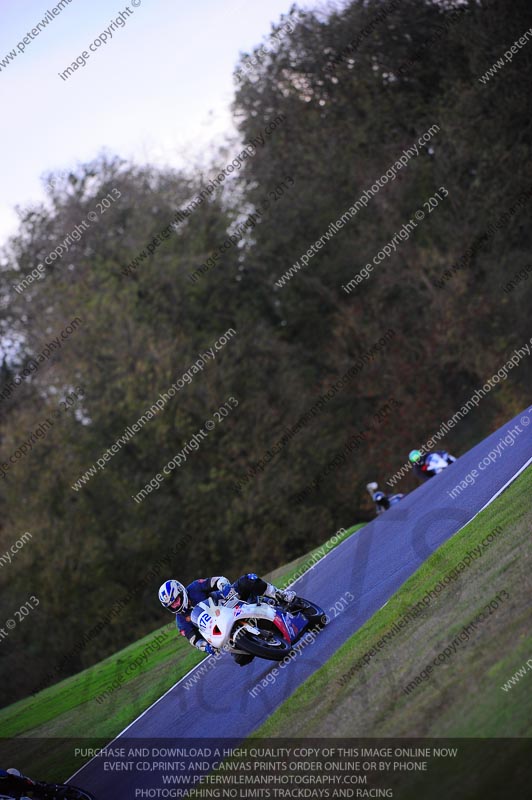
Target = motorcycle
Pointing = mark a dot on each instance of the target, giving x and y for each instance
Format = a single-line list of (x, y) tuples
[(436, 463), (382, 501), (37, 790), (265, 628)]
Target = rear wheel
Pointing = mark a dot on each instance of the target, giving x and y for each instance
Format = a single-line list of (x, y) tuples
[(266, 644)]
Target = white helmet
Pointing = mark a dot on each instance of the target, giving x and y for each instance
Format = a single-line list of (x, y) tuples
[(174, 596)]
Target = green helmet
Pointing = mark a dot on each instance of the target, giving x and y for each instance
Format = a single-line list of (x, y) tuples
[(414, 456)]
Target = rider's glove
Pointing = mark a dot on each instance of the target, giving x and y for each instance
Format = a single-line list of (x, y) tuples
[(229, 592), (205, 647)]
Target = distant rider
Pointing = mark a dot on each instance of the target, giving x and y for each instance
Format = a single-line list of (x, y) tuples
[(382, 501), (430, 464), (180, 600)]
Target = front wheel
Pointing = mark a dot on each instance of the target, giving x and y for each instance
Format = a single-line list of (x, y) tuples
[(316, 616), (266, 644)]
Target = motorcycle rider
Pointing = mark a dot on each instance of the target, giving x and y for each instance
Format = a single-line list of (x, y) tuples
[(15, 783), (180, 600), (381, 500), (430, 464)]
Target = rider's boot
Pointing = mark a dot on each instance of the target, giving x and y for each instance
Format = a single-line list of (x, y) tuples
[(280, 595)]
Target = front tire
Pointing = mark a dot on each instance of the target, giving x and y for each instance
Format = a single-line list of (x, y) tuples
[(316, 616), (266, 644)]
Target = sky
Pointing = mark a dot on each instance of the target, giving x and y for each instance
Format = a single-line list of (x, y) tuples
[(158, 91)]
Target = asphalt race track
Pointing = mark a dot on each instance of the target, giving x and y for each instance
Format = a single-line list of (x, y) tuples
[(371, 565)]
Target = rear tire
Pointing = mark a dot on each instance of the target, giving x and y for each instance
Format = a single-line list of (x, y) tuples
[(267, 644)]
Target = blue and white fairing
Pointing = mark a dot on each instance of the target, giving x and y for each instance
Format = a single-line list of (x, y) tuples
[(215, 622), (290, 625)]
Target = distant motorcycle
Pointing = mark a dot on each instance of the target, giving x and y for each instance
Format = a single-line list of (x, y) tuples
[(431, 464), (382, 501), (266, 628)]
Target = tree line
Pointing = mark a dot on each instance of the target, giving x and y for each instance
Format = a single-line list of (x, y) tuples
[(353, 88)]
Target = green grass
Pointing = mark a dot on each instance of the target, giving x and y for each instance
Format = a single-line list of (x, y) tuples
[(70, 709), (463, 696)]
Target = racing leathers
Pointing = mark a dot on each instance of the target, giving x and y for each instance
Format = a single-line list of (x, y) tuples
[(432, 463)]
